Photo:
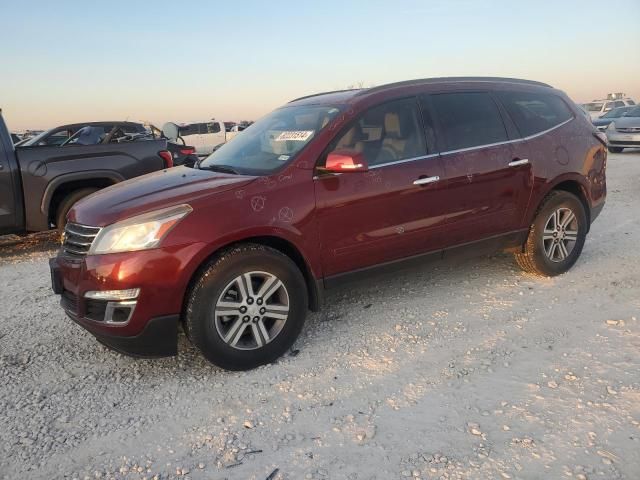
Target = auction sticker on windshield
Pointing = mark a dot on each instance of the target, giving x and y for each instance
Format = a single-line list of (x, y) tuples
[(295, 135)]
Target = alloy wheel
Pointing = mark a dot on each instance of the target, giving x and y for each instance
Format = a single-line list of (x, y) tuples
[(252, 310), (560, 234)]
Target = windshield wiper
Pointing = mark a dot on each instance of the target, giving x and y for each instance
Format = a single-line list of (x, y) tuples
[(220, 168)]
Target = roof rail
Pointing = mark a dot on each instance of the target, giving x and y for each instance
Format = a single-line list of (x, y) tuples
[(324, 93), (421, 81)]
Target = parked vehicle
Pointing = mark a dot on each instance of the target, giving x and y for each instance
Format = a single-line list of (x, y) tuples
[(89, 133), (15, 138), (597, 108), (204, 136), (327, 188), (624, 132), (182, 153), (40, 183), (603, 122)]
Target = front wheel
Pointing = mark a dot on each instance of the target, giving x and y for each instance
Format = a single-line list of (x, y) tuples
[(247, 308), (556, 236)]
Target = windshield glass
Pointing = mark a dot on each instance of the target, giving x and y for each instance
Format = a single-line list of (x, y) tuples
[(634, 112), (272, 141), (593, 107), (616, 112)]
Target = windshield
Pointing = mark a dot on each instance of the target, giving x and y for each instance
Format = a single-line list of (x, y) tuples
[(634, 112), (616, 112), (272, 141), (593, 107)]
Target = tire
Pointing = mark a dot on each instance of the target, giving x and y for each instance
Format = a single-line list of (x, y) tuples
[(616, 149), (68, 202), (535, 257), (217, 290)]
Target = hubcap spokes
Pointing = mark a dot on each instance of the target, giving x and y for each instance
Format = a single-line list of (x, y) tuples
[(251, 310), (560, 234)]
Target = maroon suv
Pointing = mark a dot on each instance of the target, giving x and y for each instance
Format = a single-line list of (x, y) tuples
[(330, 185)]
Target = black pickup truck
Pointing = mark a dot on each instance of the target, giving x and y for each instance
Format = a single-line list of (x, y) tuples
[(40, 182)]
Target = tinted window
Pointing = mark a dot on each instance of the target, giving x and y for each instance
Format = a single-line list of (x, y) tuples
[(630, 102), (387, 133), (618, 103), (211, 127), (468, 120), (192, 129), (535, 112)]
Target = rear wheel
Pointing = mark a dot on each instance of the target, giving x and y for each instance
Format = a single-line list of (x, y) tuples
[(556, 236), (616, 149), (247, 308), (68, 202)]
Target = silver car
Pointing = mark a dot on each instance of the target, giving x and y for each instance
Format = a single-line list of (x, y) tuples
[(624, 132)]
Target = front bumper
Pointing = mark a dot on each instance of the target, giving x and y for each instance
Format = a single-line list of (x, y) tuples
[(619, 139), (162, 275)]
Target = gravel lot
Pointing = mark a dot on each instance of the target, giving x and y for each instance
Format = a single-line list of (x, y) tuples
[(457, 370)]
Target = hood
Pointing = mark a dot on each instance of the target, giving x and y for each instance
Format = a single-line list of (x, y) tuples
[(157, 190), (625, 122)]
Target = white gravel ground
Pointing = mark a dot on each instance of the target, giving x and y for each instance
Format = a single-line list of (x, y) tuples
[(470, 370)]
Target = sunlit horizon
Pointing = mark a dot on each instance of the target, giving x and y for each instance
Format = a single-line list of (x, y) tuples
[(75, 62)]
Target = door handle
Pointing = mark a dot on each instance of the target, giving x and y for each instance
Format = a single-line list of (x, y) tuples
[(516, 163), (426, 180)]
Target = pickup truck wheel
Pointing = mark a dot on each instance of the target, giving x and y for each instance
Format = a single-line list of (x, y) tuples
[(68, 202), (556, 236), (247, 307), (616, 149)]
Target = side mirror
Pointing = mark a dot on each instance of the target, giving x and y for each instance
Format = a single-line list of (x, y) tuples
[(170, 131), (343, 161)]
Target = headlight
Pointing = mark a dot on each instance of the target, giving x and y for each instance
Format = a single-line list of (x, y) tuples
[(141, 232)]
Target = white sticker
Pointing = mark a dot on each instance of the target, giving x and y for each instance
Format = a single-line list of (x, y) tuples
[(283, 158), (294, 135)]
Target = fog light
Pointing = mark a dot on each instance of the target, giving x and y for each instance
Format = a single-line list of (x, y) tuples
[(128, 294), (119, 312)]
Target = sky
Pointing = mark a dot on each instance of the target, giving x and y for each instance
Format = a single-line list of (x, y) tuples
[(76, 61)]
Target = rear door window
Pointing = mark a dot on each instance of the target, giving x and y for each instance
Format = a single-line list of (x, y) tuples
[(535, 112), (468, 119)]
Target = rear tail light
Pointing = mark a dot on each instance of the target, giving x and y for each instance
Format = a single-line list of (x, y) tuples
[(602, 138), (187, 151), (167, 157)]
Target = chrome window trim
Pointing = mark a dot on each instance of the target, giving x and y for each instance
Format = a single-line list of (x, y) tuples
[(447, 152), (406, 160)]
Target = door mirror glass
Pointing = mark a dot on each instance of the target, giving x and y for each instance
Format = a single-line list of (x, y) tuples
[(170, 131), (342, 161)]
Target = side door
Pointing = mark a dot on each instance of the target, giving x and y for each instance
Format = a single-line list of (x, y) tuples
[(488, 179), (393, 210)]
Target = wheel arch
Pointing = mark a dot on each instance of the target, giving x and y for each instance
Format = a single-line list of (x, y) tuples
[(573, 184), (58, 189), (284, 246)]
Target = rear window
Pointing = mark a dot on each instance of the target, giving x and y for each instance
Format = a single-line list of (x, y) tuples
[(535, 112), (468, 120)]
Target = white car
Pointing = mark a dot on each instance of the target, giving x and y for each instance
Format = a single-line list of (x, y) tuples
[(597, 108), (205, 136)]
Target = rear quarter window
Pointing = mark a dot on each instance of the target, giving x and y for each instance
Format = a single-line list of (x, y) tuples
[(535, 112)]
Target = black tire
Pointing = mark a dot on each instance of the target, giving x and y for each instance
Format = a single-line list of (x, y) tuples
[(214, 280), (534, 258), (68, 202), (616, 149)]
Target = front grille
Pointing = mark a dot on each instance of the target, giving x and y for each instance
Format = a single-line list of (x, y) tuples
[(95, 309), (628, 129), (78, 239), (69, 302)]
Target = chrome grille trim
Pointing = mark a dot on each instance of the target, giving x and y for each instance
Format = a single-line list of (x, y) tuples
[(78, 238)]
